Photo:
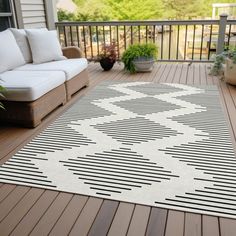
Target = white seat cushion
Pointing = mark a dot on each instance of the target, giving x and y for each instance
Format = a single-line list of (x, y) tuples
[(71, 67), (28, 86)]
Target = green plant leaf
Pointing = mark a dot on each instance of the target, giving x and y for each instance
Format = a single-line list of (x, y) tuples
[(219, 60), (2, 89), (1, 106)]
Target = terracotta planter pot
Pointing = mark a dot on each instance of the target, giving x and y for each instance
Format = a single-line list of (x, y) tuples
[(230, 72), (106, 64)]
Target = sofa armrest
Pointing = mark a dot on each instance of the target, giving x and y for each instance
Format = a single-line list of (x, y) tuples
[(72, 52)]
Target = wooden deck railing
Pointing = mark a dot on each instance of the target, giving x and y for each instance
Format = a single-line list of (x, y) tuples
[(188, 40)]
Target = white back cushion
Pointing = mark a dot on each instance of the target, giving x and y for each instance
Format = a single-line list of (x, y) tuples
[(45, 46), (10, 54), (23, 43)]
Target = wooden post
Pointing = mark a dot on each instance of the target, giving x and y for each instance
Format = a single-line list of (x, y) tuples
[(51, 14), (213, 12), (221, 34)]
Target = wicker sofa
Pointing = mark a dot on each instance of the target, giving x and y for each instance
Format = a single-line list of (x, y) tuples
[(44, 88)]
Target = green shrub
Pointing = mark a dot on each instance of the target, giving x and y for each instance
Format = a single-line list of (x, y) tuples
[(217, 68), (137, 51)]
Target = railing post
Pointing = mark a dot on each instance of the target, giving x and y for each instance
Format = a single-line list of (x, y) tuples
[(221, 34)]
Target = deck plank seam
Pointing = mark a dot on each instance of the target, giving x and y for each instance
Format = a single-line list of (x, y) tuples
[(78, 215), (27, 211), (44, 212), (15, 204)]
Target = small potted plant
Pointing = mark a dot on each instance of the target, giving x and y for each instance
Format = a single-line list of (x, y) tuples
[(227, 72), (1, 95), (140, 57), (107, 57)]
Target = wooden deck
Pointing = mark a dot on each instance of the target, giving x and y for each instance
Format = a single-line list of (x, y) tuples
[(33, 211)]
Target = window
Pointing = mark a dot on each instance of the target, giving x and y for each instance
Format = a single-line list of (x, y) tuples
[(6, 14)]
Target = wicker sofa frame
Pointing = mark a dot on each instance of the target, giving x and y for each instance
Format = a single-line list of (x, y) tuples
[(30, 114)]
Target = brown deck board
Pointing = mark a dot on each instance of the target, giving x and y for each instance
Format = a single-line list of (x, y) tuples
[(192, 225), (160, 73), (68, 218), (232, 91), (165, 73), (87, 216), (104, 218), (227, 227), (172, 74), (18, 212), (156, 70), (184, 74), (210, 226), (157, 222), (51, 216), (230, 109), (6, 189), (190, 75), (203, 72), (175, 223), (139, 221), (196, 74), (121, 220), (11, 201), (178, 74), (33, 211)]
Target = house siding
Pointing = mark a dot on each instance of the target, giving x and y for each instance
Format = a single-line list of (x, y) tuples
[(33, 14)]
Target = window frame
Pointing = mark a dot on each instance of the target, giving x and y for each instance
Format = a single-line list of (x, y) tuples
[(10, 15)]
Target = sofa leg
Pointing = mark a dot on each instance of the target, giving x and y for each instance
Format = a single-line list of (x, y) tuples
[(63, 102), (68, 97), (34, 123)]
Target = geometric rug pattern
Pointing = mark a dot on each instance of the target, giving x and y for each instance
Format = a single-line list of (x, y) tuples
[(165, 145)]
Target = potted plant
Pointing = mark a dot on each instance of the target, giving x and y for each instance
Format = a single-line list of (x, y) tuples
[(227, 72), (1, 95), (107, 57), (140, 57)]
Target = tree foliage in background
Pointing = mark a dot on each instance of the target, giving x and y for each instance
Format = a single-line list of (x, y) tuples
[(183, 9), (93, 10), (135, 9), (104, 10), (65, 16)]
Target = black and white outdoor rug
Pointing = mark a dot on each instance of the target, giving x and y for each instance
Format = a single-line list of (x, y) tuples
[(165, 145)]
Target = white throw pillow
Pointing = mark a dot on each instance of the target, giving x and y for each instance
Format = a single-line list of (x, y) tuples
[(10, 54), (23, 43), (45, 46)]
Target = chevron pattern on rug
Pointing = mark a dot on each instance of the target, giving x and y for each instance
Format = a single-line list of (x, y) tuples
[(165, 145)]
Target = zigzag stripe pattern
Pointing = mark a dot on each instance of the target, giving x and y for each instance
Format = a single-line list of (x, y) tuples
[(165, 145)]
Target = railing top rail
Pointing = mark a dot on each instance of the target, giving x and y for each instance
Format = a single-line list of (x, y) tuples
[(136, 23), (231, 21)]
